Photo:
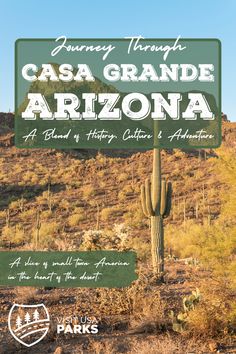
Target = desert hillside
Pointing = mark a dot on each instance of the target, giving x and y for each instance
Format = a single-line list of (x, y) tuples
[(89, 200)]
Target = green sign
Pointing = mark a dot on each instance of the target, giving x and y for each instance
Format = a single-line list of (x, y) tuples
[(118, 93), (68, 269)]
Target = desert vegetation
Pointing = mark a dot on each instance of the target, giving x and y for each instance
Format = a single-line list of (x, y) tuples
[(89, 200)]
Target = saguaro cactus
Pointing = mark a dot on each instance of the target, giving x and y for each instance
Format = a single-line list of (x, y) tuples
[(156, 204), (38, 227), (8, 217)]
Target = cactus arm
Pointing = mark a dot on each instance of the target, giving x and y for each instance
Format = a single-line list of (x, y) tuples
[(156, 181), (163, 197), (143, 201), (168, 200), (148, 198)]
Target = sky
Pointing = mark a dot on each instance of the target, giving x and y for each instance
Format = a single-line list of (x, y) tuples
[(107, 19)]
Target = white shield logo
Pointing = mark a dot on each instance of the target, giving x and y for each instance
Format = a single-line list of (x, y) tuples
[(28, 324)]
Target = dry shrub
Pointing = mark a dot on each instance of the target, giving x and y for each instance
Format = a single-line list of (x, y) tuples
[(125, 192), (30, 177), (109, 346), (167, 345), (134, 216), (148, 344), (106, 214), (14, 234), (64, 245), (14, 205), (25, 294), (27, 214), (88, 191), (107, 303), (99, 347), (146, 304), (215, 315), (64, 204), (139, 245), (106, 239), (111, 212), (123, 177), (205, 321), (46, 214), (47, 234), (101, 173), (139, 302), (74, 219)]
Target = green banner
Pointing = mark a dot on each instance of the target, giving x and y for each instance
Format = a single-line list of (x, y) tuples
[(92, 269), (131, 93)]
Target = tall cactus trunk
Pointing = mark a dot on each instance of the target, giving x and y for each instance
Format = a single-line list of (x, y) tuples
[(157, 241), (156, 220), (156, 204)]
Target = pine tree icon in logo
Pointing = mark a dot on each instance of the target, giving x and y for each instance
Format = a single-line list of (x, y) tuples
[(32, 326)]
